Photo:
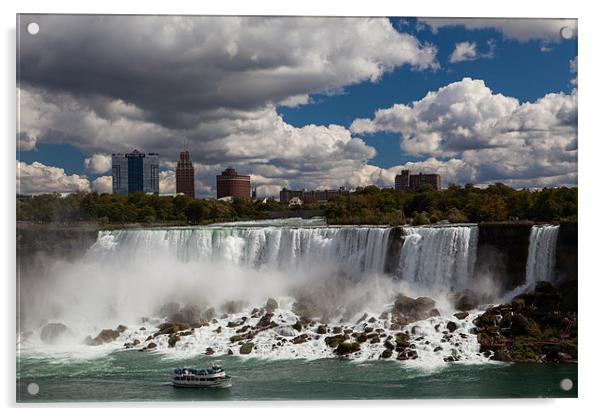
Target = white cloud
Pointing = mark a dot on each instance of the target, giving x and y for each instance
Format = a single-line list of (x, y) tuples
[(39, 178), (573, 67), (519, 29), (464, 51), (467, 51), (98, 163), (495, 137), (167, 182), (103, 185)]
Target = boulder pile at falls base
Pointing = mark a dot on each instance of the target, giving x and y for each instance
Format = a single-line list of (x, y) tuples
[(537, 326)]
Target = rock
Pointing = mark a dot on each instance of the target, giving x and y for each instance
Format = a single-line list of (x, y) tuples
[(135, 342), (230, 352), (297, 326), (372, 320), (502, 355), (438, 348), (345, 348), (51, 332), (300, 339), (412, 354), (173, 339), (231, 324), (121, 328), (452, 326), (410, 310), (209, 351), (521, 325), (246, 348), (106, 335), (322, 329), (265, 320), (361, 338), (402, 341), (218, 330), (235, 338), (151, 345), (271, 305), (142, 328), (465, 301), (387, 353), (388, 345), (335, 340), (337, 330), (384, 315), (461, 315)]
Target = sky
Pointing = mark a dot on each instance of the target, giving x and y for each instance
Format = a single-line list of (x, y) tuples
[(297, 102)]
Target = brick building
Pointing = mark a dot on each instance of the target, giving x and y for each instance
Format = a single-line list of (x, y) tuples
[(408, 182), (230, 183), (185, 175)]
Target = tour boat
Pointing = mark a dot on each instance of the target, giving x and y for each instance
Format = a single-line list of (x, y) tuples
[(191, 377)]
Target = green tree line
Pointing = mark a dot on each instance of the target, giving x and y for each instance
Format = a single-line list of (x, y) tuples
[(369, 205)]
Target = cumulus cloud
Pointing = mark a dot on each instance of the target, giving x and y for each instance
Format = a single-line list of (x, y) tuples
[(467, 51), (573, 68), (211, 85), (98, 163), (39, 178), (519, 29), (167, 182), (103, 185), (494, 136), (464, 51)]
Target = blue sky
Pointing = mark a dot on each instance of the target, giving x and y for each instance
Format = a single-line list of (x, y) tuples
[(517, 66)]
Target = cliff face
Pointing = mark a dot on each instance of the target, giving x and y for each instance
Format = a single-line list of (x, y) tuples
[(502, 252), (566, 252)]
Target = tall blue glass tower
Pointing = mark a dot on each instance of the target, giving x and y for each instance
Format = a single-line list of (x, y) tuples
[(135, 172)]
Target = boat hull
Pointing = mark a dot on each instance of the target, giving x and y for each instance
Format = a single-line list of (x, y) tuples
[(215, 384)]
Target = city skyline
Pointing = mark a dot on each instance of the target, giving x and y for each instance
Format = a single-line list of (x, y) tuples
[(476, 101)]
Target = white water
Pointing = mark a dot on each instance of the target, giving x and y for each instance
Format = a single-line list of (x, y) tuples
[(129, 274), (442, 257), (542, 253), (352, 250)]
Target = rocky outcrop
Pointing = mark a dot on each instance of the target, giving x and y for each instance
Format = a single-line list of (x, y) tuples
[(105, 336), (407, 310), (538, 326), (271, 305), (51, 332), (566, 252), (246, 348)]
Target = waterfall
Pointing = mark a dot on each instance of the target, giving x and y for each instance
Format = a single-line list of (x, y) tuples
[(441, 257), (541, 261), (351, 249)]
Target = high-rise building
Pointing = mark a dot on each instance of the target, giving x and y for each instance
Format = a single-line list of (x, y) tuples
[(406, 181), (135, 172), (230, 183), (185, 175)]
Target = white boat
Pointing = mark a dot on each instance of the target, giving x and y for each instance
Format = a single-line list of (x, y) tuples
[(215, 377)]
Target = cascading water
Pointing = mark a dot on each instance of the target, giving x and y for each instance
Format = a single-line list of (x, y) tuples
[(541, 261), (439, 257), (351, 249)]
